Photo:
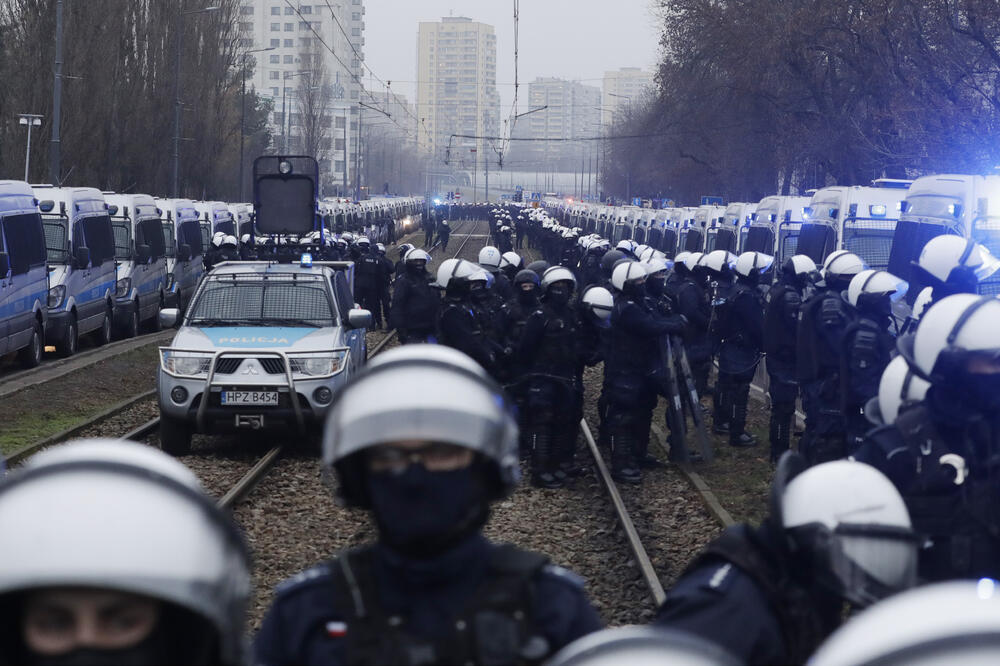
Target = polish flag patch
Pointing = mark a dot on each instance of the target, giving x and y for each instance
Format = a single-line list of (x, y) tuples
[(336, 629)]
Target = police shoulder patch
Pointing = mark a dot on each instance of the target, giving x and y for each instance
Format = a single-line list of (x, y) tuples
[(564, 574), (302, 579)]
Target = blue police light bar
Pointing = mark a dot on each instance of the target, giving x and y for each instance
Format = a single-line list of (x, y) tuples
[(877, 210), (437, 202), (306, 261)]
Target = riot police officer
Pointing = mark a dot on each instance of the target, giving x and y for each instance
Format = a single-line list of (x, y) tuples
[(368, 271), (819, 343), (781, 320), (457, 325), (693, 302), (941, 453), (90, 578), (386, 274), (443, 234), (549, 357), (432, 589), (415, 303), (837, 532), (490, 259), (868, 346), (400, 267), (954, 265), (718, 265)]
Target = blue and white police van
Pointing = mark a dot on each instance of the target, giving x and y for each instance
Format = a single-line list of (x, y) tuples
[(140, 261), (184, 264), (218, 215), (23, 274), (81, 258)]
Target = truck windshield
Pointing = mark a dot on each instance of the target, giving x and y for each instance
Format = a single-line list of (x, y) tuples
[(933, 206), (123, 239), (56, 239), (255, 301)]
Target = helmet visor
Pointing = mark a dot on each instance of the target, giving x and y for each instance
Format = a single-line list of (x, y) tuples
[(988, 264)]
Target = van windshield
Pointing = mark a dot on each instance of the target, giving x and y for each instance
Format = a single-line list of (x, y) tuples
[(56, 239), (123, 239), (933, 206), (169, 243)]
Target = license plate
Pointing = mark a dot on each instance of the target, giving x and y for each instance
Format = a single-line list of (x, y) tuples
[(239, 398)]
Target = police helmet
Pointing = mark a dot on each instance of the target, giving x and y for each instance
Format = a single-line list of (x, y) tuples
[(899, 386), (753, 263), (626, 273), (650, 253), (956, 261), (627, 246), (383, 404), (416, 254), (403, 249), (489, 258), (692, 260), (656, 265), (719, 262), (217, 238), (955, 623), (453, 272), (539, 267), (511, 260), (848, 527), (113, 515), (599, 301), (482, 276), (798, 265), (245, 239), (874, 284), (557, 274), (568, 233), (639, 249), (952, 332), (642, 646), (363, 242), (527, 277), (347, 237), (608, 261), (380, 248), (842, 266)]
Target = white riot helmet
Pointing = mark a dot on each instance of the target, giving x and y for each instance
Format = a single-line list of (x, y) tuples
[(511, 260), (847, 526), (718, 261), (245, 239), (650, 253), (489, 258), (692, 260), (957, 262), (871, 283), (642, 646), (111, 515), (380, 248), (454, 271), (955, 623), (841, 266), (363, 242), (639, 249), (922, 301), (750, 263), (628, 273), (656, 265), (681, 258), (217, 238), (899, 386), (230, 241), (557, 274), (599, 301), (627, 246), (383, 404), (416, 254)]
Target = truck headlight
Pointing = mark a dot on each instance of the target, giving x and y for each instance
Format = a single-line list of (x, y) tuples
[(56, 295), (317, 365), (185, 364), (123, 287)]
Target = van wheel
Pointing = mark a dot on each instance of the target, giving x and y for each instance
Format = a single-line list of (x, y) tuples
[(31, 356), (67, 345), (131, 329), (102, 336), (175, 436)]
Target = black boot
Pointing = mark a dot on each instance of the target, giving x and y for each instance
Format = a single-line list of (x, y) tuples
[(622, 466), (542, 472), (780, 431), (640, 450)]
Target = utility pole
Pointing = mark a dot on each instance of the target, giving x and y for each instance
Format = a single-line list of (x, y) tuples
[(487, 177), (31, 120), (55, 151), (357, 157)]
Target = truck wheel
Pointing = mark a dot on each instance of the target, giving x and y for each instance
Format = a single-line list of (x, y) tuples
[(131, 329), (102, 336), (67, 345), (175, 436), (31, 356)]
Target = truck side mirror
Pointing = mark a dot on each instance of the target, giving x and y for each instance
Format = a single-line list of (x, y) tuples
[(184, 252), (4, 264), (82, 257), (142, 254), (168, 317), (359, 318)]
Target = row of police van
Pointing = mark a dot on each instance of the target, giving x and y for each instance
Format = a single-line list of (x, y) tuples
[(76, 261), (404, 213), (886, 224)]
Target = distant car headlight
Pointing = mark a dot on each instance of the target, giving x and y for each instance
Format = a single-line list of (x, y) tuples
[(185, 364), (317, 365), (123, 287), (56, 295)]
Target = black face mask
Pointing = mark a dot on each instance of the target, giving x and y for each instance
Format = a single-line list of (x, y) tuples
[(415, 269), (421, 513), (654, 286), (557, 296), (527, 297), (481, 296), (634, 290), (154, 649)]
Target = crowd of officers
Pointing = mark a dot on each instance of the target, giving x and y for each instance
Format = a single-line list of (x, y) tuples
[(113, 553)]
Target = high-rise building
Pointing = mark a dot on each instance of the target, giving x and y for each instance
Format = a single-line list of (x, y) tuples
[(567, 110), (314, 92), (456, 88), (622, 89)]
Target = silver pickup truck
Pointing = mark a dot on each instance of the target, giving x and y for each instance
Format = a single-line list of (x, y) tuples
[(263, 345)]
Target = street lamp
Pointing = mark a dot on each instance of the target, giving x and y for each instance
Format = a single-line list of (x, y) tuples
[(243, 113), (177, 96), (31, 120)]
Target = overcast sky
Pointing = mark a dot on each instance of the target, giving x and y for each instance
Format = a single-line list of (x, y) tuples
[(571, 39)]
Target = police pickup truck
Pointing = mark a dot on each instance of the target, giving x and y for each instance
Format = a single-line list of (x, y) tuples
[(263, 345)]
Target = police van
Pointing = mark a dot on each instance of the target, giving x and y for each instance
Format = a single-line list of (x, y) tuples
[(775, 227), (263, 344), (218, 216), (23, 274), (140, 260), (81, 257), (184, 262)]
